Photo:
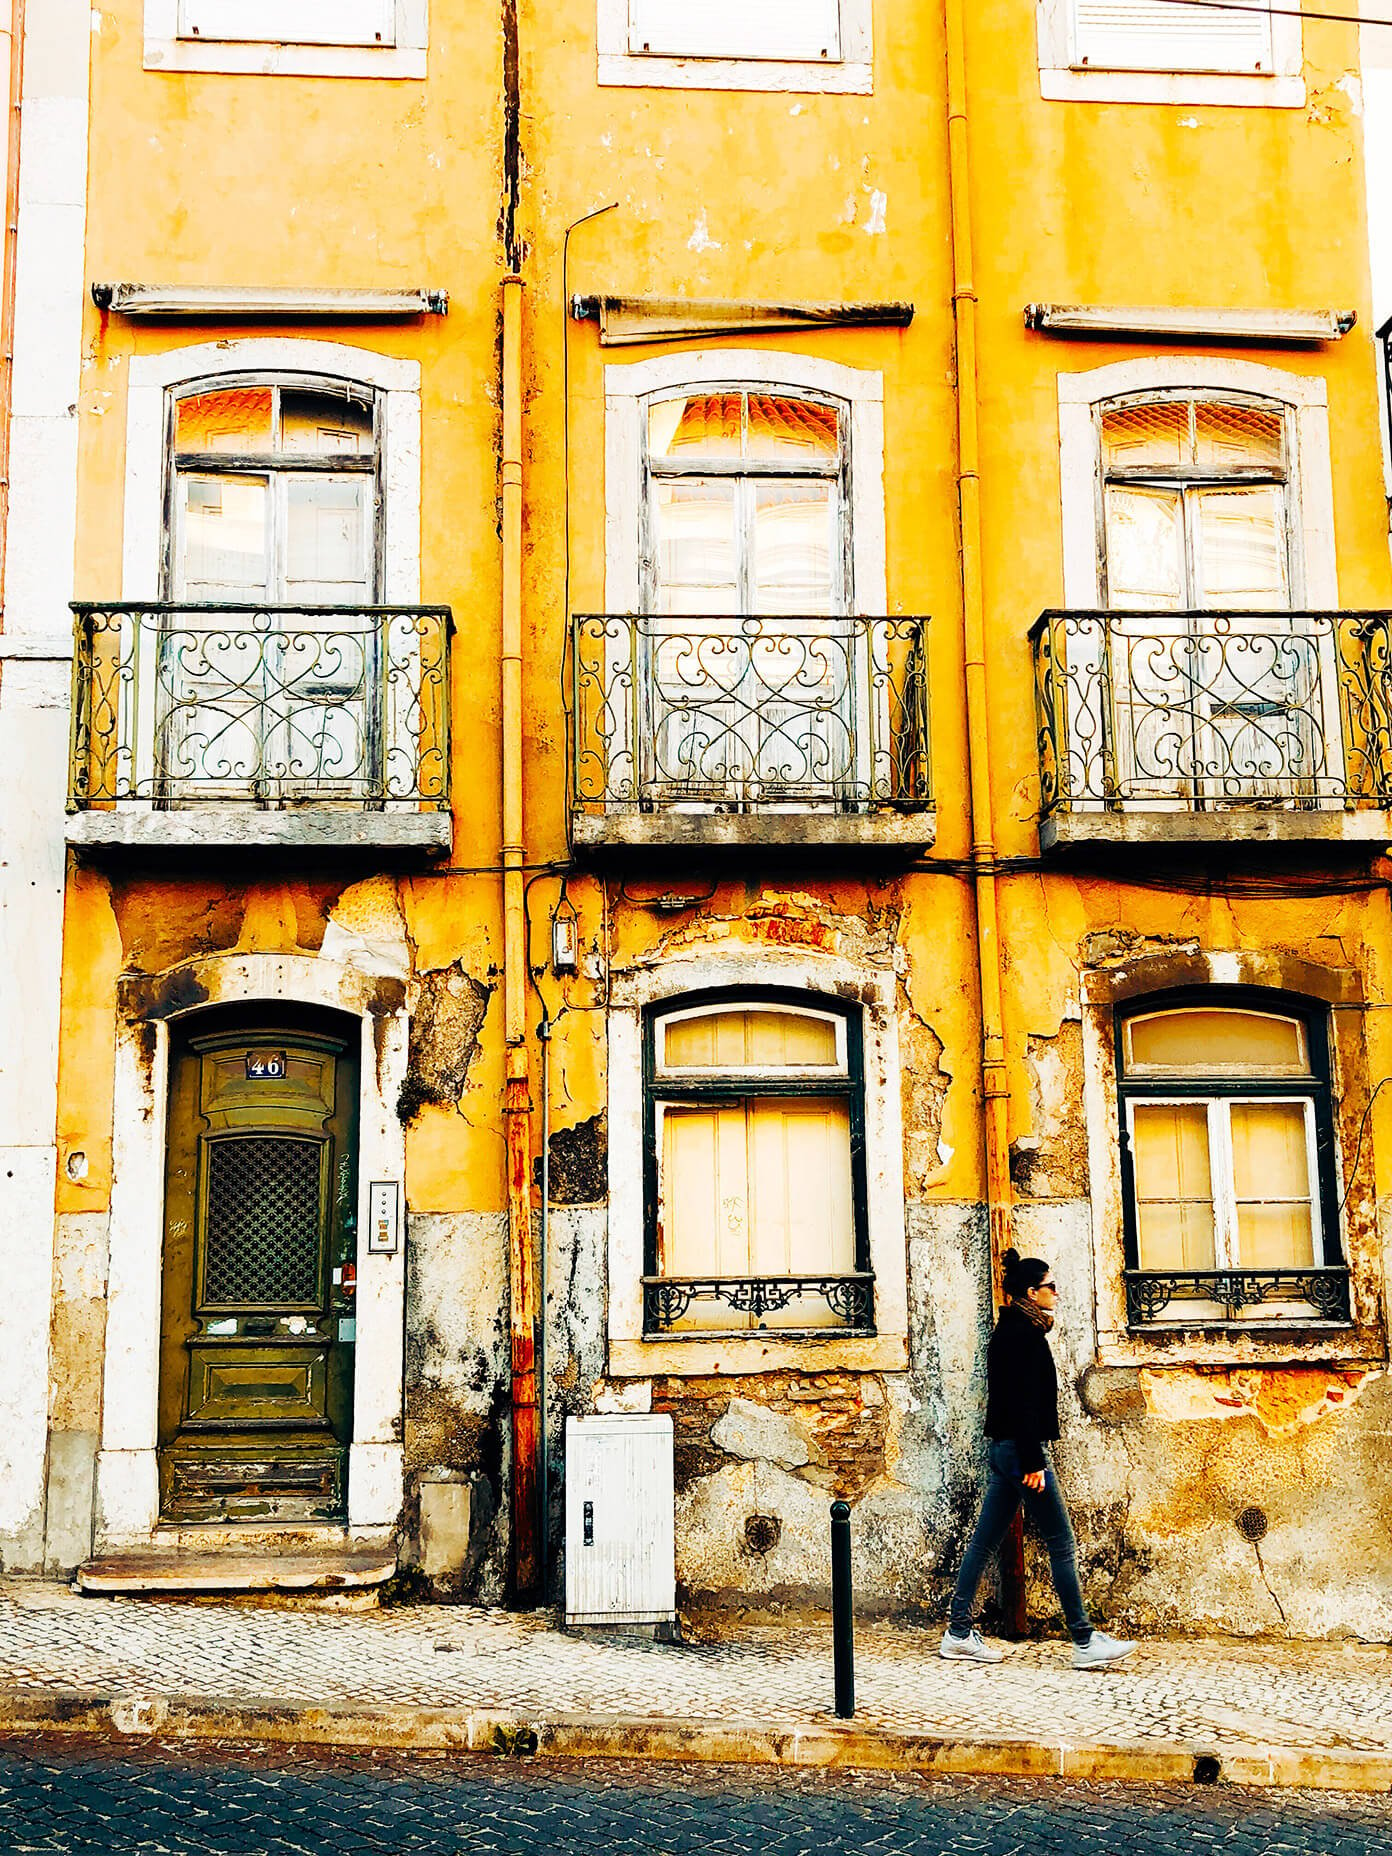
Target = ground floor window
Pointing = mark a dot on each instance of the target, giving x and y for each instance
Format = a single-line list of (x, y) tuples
[(755, 1188), (1227, 1162)]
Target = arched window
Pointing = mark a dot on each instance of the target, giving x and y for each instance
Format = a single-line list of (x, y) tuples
[(755, 1188), (1227, 1161), (273, 493), (1195, 504), (745, 503)]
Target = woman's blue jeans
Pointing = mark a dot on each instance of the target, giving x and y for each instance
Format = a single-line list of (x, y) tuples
[(1004, 1492)]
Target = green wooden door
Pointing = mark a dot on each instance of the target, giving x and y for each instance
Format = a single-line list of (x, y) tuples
[(256, 1366)]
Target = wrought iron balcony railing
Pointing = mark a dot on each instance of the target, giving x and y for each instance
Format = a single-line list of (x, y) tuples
[(180, 706), (1231, 1295), (736, 714), (851, 1298), (1210, 711)]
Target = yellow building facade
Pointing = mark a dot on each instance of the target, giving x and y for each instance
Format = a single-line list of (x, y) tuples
[(586, 868)]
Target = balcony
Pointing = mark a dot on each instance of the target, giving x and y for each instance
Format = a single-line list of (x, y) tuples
[(1214, 727), (755, 732), (228, 727)]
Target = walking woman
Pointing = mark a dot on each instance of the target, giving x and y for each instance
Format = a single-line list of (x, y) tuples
[(1021, 1418)]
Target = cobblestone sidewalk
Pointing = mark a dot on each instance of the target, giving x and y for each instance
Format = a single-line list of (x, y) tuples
[(1310, 1699)]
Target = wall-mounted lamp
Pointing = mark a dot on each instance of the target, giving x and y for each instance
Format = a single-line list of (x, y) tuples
[(565, 935)]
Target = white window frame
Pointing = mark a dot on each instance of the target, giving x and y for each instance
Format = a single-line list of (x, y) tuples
[(1304, 399), (627, 389), (277, 472), (1220, 1162), (204, 35), (1302, 402), (746, 472), (1158, 476), (1207, 1341), (1060, 78), (631, 1354), (857, 392), (154, 381), (154, 378), (621, 63)]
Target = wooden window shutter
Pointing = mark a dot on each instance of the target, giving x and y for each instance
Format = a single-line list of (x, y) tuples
[(801, 31), (1161, 35)]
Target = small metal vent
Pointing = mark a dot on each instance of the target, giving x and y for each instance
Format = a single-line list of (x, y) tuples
[(1252, 1524), (263, 1234), (762, 1533)]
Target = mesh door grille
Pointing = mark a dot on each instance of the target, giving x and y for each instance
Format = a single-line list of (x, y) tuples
[(262, 1237)]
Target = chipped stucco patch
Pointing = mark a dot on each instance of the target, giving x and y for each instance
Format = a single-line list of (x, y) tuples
[(450, 1007), (1282, 1402), (366, 929), (1051, 1161)]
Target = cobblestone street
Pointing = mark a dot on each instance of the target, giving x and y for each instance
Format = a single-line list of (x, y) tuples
[(1319, 1697), (65, 1798)]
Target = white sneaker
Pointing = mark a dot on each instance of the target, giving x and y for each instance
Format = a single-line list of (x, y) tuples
[(969, 1649), (1100, 1650)]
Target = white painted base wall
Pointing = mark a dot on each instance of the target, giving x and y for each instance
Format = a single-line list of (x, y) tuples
[(34, 683)]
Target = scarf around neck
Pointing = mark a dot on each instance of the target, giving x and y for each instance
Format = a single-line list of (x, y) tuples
[(1041, 1318)]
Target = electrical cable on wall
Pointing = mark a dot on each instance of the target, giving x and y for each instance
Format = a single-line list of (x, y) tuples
[(1283, 12), (1358, 1143)]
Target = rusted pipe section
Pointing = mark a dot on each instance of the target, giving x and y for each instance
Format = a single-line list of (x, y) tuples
[(517, 1103), (12, 39), (995, 1099)]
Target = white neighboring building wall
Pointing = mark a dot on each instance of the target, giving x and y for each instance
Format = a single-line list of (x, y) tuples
[(35, 654), (1376, 60)]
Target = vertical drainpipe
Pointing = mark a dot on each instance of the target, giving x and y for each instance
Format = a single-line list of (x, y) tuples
[(994, 1080), (13, 31), (517, 1101)]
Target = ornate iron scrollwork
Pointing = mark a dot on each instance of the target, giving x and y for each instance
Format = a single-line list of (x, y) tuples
[(739, 712), (181, 704), (1213, 709), (667, 1299), (1150, 1293)]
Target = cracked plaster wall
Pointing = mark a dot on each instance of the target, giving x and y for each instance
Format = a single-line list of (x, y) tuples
[(458, 1384), (1158, 1462), (1162, 1455)]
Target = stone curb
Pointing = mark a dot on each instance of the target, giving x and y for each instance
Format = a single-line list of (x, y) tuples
[(140, 1715)]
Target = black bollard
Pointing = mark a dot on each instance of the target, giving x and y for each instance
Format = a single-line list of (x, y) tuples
[(842, 1623)]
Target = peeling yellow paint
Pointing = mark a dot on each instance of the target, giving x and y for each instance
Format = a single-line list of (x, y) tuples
[(269, 924), (1282, 1401)]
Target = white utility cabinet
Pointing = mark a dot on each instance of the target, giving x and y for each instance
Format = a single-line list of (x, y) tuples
[(620, 1545)]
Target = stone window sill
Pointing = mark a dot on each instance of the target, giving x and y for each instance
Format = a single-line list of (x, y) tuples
[(231, 57), (1241, 1343), (1188, 89)]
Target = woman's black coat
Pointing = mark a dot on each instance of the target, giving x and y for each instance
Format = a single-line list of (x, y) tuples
[(1021, 1388)]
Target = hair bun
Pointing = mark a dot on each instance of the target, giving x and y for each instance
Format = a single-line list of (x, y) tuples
[(1011, 1259)]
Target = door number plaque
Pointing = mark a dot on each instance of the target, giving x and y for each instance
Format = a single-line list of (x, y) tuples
[(265, 1066), (383, 1218)]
